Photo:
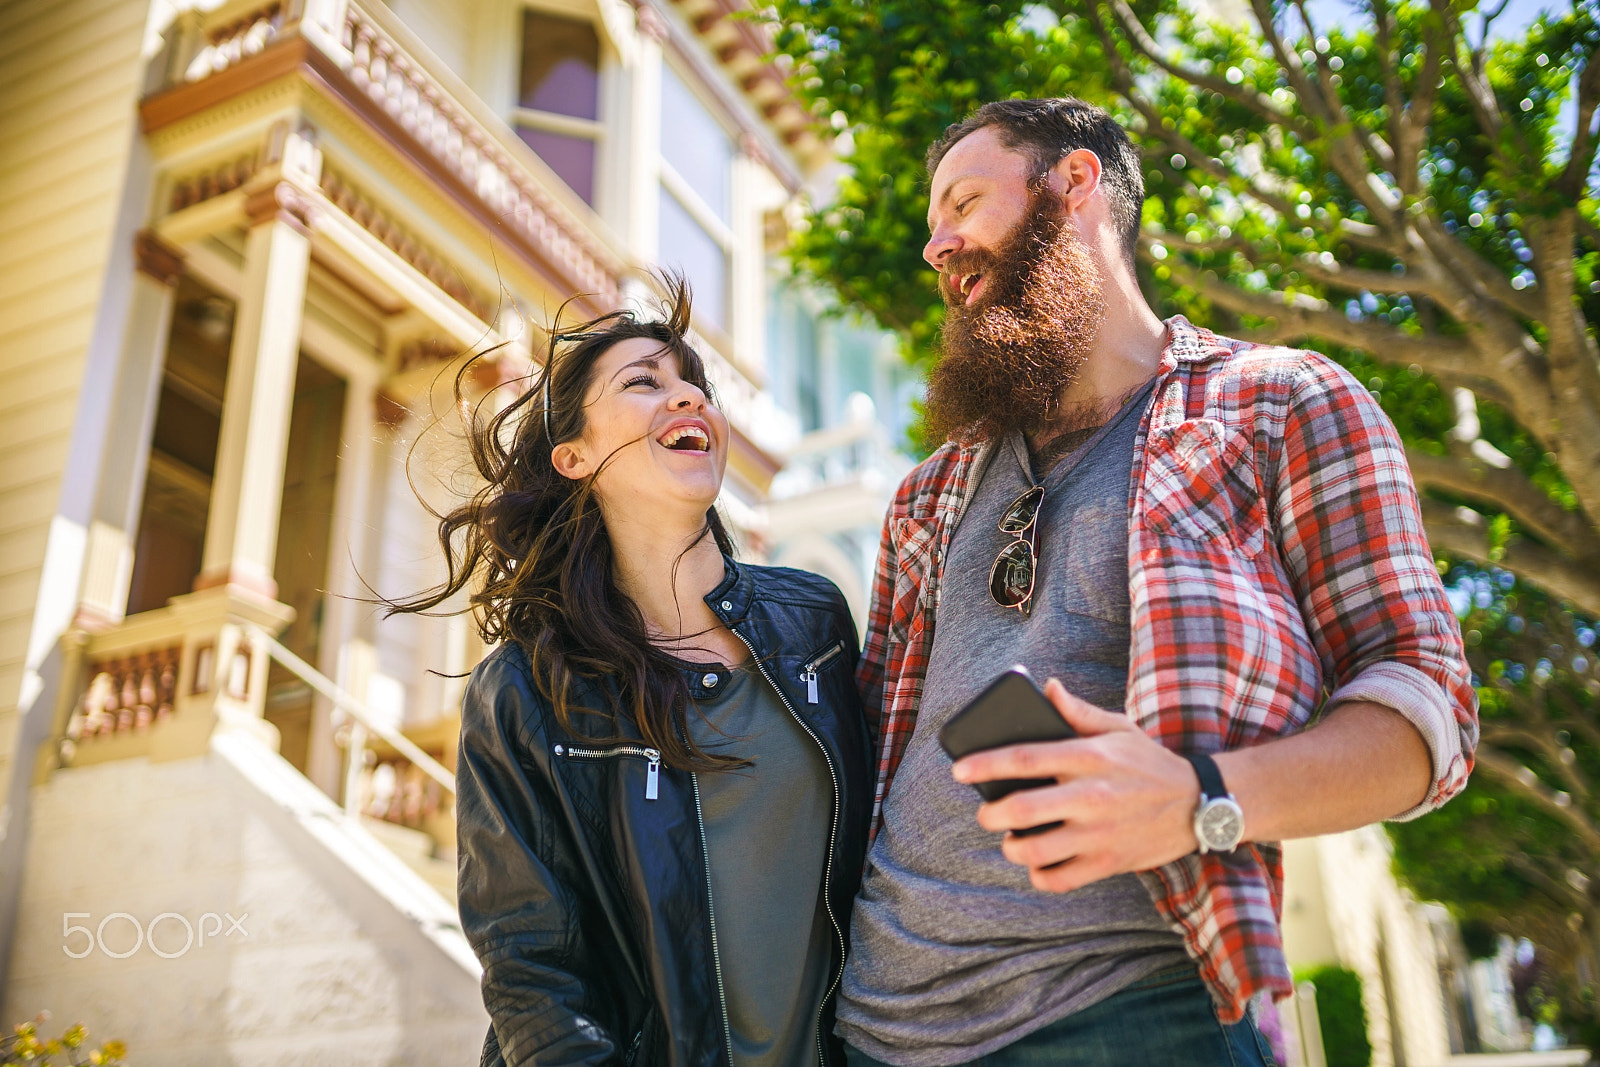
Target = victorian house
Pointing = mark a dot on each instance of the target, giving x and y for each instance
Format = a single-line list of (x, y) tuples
[(248, 245)]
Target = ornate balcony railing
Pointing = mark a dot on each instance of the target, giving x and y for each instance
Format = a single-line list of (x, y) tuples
[(158, 684), (127, 693)]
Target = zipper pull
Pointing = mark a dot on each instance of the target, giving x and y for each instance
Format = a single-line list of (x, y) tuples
[(652, 774), (810, 678)]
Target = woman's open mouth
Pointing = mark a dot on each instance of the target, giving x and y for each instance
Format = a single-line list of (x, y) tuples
[(686, 439)]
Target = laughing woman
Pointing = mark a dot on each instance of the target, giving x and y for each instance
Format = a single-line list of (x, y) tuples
[(663, 781)]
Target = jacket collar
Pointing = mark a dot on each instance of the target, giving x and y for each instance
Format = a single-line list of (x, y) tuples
[(730, 600)]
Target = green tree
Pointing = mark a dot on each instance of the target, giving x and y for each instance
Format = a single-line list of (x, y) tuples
[(1385, 189), (1516, 852), (1404, 191)]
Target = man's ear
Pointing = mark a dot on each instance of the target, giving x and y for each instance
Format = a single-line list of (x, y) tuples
[(571, 460), (1074, 178)]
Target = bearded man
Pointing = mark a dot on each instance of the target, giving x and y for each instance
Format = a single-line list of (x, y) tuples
[(1213, 550)]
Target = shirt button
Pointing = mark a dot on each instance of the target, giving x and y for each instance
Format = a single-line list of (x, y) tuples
[(709, 681), (727, 605)]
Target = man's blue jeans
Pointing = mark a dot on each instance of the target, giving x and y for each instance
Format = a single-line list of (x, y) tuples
[(1166, 1020)]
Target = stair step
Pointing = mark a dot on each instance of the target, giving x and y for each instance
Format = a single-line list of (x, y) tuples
[(403, 841), (417, 849)]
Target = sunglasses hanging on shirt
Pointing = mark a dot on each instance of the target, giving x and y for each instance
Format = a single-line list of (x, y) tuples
[(1015, 570)]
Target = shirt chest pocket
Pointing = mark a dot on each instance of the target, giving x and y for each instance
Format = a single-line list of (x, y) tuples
[(1200, 484)]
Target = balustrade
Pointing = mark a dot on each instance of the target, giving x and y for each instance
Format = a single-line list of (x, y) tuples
[(162, 681), (396, 790), (127, 693), (233, 39)]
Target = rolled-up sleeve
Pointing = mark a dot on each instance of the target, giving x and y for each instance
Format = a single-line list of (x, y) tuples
[(1352, 537)]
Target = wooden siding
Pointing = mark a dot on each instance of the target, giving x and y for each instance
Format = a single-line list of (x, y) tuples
[(70, 73)]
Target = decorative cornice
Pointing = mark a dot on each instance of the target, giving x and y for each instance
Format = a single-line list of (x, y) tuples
[(710, 69), (156, 258), (399, 240), (280, 201), (746, 49), (214, 180)]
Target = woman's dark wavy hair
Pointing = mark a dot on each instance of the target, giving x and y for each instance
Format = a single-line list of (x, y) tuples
[(536, 542)]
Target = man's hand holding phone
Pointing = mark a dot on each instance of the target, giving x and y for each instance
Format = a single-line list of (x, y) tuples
[(1120, 801)]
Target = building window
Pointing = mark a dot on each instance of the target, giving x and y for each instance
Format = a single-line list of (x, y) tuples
[(558, 99), (696, 208)]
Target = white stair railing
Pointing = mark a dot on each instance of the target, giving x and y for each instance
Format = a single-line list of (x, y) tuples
[(365, 721)]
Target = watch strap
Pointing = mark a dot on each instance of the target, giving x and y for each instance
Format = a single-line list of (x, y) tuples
[(1205, 768)]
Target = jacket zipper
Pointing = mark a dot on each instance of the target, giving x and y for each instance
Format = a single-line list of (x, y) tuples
[(652, 775), (711, 913), (808, 673), (833, 825)]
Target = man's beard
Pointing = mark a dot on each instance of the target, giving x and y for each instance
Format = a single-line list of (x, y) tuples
[(1007, 359)]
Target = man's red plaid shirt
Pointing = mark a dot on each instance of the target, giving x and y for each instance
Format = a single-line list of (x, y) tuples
[(1277, 566)]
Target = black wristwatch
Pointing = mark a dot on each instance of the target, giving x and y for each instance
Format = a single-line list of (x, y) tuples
[(1218, 820)]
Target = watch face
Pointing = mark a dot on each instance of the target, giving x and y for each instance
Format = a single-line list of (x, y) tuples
[(1221, 825)]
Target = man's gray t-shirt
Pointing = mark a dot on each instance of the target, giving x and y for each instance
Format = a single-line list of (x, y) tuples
[(953, 953)]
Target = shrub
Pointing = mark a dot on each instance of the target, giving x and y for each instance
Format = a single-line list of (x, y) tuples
[(24, 1048), (1342, 1015)]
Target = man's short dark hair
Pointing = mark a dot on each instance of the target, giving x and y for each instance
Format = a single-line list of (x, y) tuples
[(1048, 130)]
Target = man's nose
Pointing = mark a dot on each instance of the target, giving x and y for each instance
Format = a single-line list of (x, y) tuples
[(939, 246)]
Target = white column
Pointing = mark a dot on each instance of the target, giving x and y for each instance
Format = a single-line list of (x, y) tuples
[(344, 606), (644, 139), (113, 525), (247, 490)]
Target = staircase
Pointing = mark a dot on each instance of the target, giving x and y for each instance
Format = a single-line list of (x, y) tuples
[(189, 892)]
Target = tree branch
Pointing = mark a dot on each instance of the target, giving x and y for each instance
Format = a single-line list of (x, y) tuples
[(1575, 178), (1554, 240), (1418, 115), (1502, 735), (1510, 490), (1327, 85), (1485, 109), (1302, 317), (1555, 888), (1122, 77), (1192, 152), (1520, 779), (1257, 103), (1477, 277), (1365, 235), (1344, 152), (1356, 279), (1463, 532), (1383, 30)]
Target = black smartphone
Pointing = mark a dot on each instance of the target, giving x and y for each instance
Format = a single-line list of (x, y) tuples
[(1012, 710)]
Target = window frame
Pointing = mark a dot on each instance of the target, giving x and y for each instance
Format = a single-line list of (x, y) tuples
[(722, 233), (568, 125)]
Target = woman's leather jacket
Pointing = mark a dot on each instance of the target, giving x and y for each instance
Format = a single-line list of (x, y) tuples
[(585, 897)]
